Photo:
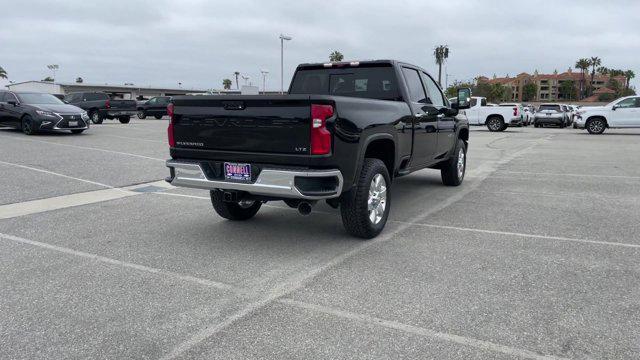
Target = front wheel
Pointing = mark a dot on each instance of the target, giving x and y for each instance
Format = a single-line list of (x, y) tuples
[(496, 124), (27, 125), (124, 119), (237, 211), (596, 126), (453, 170), (365, 208), (158, 117), (142, 115)]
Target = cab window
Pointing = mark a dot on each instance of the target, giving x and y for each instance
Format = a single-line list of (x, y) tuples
[(627, 103), (416, 91), (433, 91)]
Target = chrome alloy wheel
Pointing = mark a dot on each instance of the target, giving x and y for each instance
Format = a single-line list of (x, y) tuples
[(377, 202), (461, 163), (596, 126)]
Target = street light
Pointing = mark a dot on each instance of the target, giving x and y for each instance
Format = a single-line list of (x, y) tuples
[(245, 78), (282, 39), (264, 80), (53, 67)]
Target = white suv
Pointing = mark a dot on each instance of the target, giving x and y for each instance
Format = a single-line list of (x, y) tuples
[(620, 113)]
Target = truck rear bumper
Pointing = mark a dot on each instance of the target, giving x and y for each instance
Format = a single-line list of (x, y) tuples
[(279, 183)]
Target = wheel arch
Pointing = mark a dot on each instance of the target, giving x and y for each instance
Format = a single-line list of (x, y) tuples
[(593, 117), (492, 116)]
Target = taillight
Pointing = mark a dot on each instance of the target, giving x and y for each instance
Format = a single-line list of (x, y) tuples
[(515, 111), (172, 141), (320, 136), (107, 104)]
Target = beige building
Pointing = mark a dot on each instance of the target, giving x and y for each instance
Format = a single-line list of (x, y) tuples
[(548, 85)]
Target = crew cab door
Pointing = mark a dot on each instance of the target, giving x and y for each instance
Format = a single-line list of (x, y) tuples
[(446, 122), (474, 112), (425, 120), (626, 113)]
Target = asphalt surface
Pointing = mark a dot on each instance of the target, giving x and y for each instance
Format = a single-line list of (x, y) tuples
[(535, 256)]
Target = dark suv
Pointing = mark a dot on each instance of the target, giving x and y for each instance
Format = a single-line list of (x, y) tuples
[(156, 107)]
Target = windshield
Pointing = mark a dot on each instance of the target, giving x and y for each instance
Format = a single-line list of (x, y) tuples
[(34, 98)]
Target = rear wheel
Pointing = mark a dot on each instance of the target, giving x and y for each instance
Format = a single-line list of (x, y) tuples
[(365, 208), (142, 114), (496, 124), (124, 119), (27, 125), (237, 211), (96, 118), (596, 126), (77, 131), (158, 117), (453, 170)]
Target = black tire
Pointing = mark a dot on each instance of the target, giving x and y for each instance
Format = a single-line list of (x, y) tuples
[(232, 210), (27, 125), (158, 117), (453, 170), (495, 124), (77, 131), (562, 126), (354, 205), (96, 118), (535, 125), (142, 114), (596, 126), (124, 119)]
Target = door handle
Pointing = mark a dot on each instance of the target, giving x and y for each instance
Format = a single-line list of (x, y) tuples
[(440, 116), (418, 115)]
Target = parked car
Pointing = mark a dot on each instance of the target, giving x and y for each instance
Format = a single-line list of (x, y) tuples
[(100, 106), (156, 107), (495, 118), (620, 113), (342, 134), (550, 114), (36, 112), (518, 111)]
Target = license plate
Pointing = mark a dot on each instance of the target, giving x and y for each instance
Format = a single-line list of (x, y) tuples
[(237, 172), (73, 123)]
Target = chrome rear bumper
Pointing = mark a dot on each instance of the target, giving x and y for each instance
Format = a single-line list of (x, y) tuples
[(270, 181)]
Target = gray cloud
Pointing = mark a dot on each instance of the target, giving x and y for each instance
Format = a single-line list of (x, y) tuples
[(201, 42)]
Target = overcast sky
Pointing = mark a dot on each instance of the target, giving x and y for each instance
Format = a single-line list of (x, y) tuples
[(199, 43)]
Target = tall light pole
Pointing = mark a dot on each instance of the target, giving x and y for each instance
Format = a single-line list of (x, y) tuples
[(282, 39), (264, 80), (53, 67), (245, 78)]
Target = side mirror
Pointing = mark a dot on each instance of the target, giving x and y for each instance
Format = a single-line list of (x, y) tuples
[(614, 107), (12, 102), (464, 99)]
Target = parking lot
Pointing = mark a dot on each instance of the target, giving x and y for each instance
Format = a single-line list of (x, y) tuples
[(535, 256)]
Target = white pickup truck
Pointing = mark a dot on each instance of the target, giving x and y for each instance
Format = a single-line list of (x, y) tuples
[(620, 113), (496, 118)]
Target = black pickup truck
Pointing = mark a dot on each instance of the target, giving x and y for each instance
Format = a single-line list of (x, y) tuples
[(342, 134), (100, 106)]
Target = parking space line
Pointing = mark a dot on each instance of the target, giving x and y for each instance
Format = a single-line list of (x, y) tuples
[(300, 280), (136, 139), (524, 235), (55, 174), (85, 148), (420, 331), (138, 267), (568, 174)]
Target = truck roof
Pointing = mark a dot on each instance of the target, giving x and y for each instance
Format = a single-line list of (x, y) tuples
[(346, 64)]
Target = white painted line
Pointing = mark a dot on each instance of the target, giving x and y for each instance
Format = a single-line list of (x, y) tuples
[(84, 148), (143, 268), (534, 236), (568, 174), (136, 139), (415, 330), (62, 202), (300, 280), (55, 174)]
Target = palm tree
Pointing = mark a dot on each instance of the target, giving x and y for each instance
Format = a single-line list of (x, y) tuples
[(441, 53), (3, 73), (237, 73), (594, 62), (583, 65), (226, 83), (336, 56), (629, 74), (602, 71)]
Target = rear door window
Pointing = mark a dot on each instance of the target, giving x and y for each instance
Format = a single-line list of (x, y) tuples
[(416, 90), (96, 96)]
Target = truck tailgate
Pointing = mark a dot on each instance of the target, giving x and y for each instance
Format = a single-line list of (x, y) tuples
[(269, 124)]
